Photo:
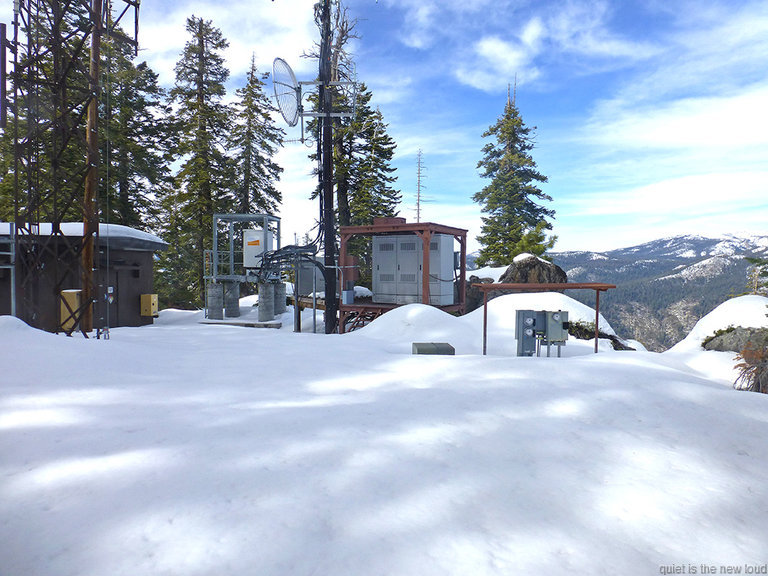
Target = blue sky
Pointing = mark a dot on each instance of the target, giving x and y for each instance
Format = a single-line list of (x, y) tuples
[(652, 117)]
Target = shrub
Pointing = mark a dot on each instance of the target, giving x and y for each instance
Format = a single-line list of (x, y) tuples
[(753, 369)]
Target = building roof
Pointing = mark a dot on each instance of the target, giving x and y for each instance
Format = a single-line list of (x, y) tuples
[(116, 236)]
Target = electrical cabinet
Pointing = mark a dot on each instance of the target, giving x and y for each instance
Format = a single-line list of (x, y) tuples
[(397, 269), (525, 332), (533, 328), (557, 326), (255, 242), (441, 267), (149, 305)]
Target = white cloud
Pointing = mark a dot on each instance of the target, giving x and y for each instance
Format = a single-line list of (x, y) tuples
[(582, 28), (696, 195), (728, 122), (268, 30)]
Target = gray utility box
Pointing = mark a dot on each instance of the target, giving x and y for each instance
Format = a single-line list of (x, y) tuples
[(310, 278), (397, 269), (532, 328), (525, 332), (556, 330), (433, 348)]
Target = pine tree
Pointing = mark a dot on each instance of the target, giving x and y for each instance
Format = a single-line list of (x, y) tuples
[(759, 276), (515, 221), (134, 139), (255, 140), (362, 164), (50, 108), (202, 184), (369, 157)]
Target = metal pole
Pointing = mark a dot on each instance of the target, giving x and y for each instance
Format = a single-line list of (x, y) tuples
[(90, 216), (329, 228), (296, 280), (485, 321), (231, 248)]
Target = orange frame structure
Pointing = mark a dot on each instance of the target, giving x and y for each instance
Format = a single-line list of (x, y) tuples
[(381, 226), (552, 287)]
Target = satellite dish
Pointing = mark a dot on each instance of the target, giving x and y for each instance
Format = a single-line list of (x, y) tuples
[(287, 91)]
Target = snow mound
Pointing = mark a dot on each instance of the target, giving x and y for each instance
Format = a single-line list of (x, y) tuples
[(746, 311), (492, 272), (173, 316), (419, 323), (400, 327), (501, 310), (13, 324)]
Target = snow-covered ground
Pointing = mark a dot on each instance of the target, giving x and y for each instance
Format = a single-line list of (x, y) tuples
[(189, 449)]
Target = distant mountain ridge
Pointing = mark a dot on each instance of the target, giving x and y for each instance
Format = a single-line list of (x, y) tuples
[(664, 286)]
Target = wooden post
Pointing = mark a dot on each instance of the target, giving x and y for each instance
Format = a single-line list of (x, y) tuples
[(426, 239), (597, 317), (90, 215)]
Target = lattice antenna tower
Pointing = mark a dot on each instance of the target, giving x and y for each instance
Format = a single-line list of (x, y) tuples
[(56, 90)]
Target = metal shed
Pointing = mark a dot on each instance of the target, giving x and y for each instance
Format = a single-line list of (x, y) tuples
[(124, 275)]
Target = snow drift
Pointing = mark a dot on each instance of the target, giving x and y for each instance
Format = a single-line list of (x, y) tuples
[(189, 449)]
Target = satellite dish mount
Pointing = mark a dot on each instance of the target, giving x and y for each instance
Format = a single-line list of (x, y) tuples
[(289, 96)]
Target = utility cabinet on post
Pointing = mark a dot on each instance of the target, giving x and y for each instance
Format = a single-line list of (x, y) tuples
[(525, 332), (534, 328)]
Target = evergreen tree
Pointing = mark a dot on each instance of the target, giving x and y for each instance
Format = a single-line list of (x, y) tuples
[(368, 170), (362, 164), (759, 276), (515, 221), (134, 137), (202, 184), (255, 140), (52, 110)]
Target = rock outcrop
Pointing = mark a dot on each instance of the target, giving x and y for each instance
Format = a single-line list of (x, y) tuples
[(737, 339), (526, 269)]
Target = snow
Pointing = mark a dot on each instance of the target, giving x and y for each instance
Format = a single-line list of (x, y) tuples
[(745, 311), (492, 272), (190, 449), (105, 231), (706, 268)]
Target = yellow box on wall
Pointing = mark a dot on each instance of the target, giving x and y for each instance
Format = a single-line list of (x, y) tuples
[(70, 303), (149, 305)]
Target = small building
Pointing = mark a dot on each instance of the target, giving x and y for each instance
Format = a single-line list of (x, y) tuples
[(413, 262), (124, 275)]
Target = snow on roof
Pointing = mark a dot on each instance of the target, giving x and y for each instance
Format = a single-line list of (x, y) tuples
[(123, 237)]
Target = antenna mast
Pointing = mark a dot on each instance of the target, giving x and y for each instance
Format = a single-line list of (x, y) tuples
[(329, 228), (419, 166)]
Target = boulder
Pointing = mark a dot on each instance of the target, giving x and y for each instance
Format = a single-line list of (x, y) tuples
[(737, 339), (475, 295), (528, 269)]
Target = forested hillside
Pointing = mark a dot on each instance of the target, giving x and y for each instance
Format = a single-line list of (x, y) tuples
[(664, 287)]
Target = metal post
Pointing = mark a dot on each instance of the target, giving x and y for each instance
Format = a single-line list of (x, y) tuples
[(215, 250), (485, 320), (329, 228), (231, 248), (296, 308), (90, 216), (314, 300)]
